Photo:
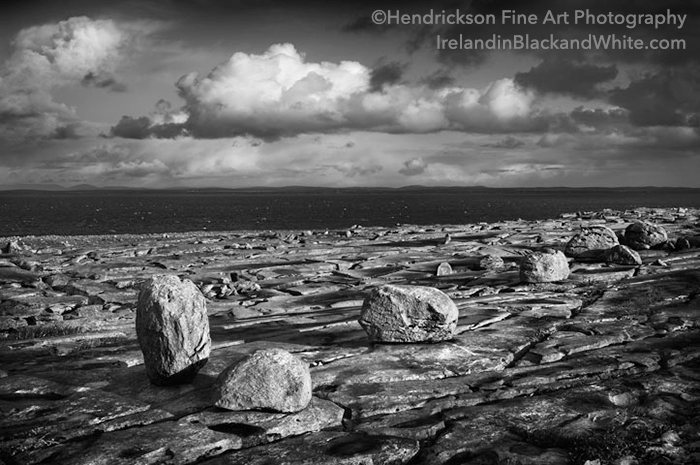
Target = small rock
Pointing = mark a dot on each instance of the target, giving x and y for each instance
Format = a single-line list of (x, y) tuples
[(57, 281), (14, 247), (544, 267), (447, 239), (443, 269), (270, 379), (626, 460), (408, 314), (245, 287), (173, 329), (591, 242), (623, 255), (642, 235), (492, 263)]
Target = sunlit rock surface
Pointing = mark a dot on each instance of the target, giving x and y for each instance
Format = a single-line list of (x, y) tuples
[(271, 379), (393, 313), (603, 365)]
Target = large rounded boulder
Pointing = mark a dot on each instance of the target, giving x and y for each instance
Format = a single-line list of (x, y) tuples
[(172, 329), (643, 235), (544, 267), (269, 379), (591, 243), (393, 313)]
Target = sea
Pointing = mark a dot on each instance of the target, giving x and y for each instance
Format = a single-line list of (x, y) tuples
[(133, 211)]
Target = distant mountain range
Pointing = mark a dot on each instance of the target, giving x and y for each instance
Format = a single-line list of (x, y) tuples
[(90, 187)]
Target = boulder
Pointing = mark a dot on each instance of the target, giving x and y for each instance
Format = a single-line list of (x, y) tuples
[(443, 269), (623, 255), (687, 242), (492, 263), (642, 235), (172, 329), (544, 267), (591, 243), (408, 314), (271, 379)]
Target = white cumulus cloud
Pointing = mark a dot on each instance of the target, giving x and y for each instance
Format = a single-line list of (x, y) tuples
[(279, 93), (78, 50)]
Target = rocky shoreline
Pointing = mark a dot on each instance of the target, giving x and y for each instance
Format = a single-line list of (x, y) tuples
[(601, 367)]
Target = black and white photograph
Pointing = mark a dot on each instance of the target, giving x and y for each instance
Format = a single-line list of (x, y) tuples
[(304, 232)]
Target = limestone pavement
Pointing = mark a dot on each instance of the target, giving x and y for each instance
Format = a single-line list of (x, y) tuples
[(600, 367)]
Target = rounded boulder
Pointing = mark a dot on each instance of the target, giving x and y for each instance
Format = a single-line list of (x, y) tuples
[(271, 379), (172, 329), (591, 243), (408, 314), (544, 267), (642, 235)]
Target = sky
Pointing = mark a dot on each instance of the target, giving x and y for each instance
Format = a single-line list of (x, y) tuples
[(244, 93)]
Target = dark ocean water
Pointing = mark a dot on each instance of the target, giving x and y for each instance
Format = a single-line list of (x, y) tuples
[(154, 211)]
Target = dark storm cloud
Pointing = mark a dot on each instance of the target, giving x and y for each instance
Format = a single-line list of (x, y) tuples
[(69, 131), (132, 128), (103, 82), (670, 97), (143, 128), (386, 74), (559, 76), (438, 80)]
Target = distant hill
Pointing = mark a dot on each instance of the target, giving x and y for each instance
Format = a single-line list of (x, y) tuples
[(313, 189), (84, 187), (31, 187)]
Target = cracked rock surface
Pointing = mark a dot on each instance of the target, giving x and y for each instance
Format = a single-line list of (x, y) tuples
[(599, 366)]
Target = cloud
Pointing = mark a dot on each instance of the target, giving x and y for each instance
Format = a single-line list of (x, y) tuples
[(132, 128), (508, 142), (414, 167), (77, 50), (279, 94), (423, 37), (438, 80), (564, 77), (352, 170), (270, 95), (103, 82), (670, 97), (600, 119), (386, 74)]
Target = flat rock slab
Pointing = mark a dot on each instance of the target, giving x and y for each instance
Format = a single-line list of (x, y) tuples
[(165, 442), (263, 427), (327, 448)]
